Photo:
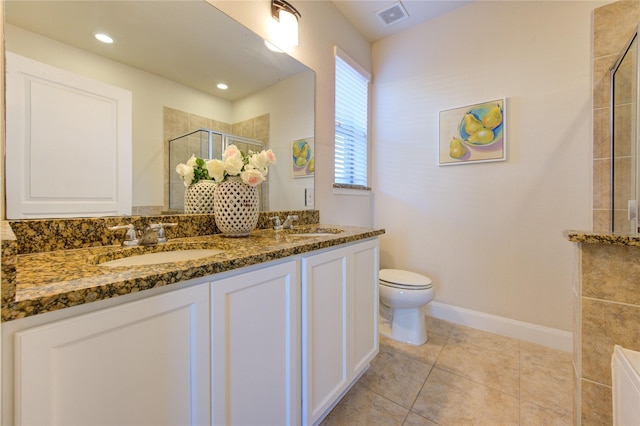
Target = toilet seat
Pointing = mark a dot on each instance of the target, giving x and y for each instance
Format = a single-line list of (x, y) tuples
[(398, 278)]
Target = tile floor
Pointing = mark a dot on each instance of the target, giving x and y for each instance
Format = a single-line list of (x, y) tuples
[(461, 376)]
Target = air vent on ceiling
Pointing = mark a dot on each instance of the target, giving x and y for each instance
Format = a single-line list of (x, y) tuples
[(392, 14)]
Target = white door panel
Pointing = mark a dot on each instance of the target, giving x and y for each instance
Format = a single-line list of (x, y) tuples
[(68, 143)]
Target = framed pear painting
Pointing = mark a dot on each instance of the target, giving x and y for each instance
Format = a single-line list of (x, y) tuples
[(303, 160), (473, 133)]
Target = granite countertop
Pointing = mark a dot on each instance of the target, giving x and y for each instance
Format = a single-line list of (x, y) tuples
[(596, 237), (49, 281)]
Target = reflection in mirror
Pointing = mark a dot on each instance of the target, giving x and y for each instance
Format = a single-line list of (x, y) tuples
[(171, 55), (207, 143)]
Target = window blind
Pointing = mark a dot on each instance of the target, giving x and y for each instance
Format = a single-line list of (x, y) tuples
[(352, 118)]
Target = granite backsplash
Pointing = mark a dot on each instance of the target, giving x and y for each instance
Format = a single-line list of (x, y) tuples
[(43, 235)]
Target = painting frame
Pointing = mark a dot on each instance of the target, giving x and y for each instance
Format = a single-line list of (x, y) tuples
[(474, 133), (302, 158)]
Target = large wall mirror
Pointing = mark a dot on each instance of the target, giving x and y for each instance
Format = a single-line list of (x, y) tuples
[(170, 55)]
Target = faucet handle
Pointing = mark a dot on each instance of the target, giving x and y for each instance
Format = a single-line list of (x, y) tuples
[(130, 239), (277, 224), (116, 227), (159, 227), (288, 224)]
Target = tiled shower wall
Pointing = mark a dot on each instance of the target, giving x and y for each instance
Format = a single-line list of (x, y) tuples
[(254, 128), (613, 26), (608, 314)]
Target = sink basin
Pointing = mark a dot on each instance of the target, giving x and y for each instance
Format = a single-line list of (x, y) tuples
[(162, 257)]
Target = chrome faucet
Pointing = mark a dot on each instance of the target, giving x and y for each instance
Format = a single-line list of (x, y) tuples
[(152, 234), (159, 227), (288, 223), (131, 238), (276, 223)]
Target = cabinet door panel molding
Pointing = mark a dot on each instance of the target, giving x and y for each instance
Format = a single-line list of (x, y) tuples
[(145, 362)]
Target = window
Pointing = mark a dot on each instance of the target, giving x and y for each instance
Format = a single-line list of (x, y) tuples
[(352, 119)]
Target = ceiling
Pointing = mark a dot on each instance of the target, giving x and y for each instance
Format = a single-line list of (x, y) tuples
[(362, 14)]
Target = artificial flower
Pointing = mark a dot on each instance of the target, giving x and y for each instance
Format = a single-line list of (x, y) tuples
[(186, 173), (233, 164), (215, 169), (193, 161), (252, 177)]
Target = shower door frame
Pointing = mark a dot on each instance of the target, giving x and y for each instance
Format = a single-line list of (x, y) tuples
[(632, 203)]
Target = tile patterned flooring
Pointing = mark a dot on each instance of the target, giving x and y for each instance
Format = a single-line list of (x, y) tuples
[(461, 376)]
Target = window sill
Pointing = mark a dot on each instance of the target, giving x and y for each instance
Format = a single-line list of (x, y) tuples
[(342, 189)]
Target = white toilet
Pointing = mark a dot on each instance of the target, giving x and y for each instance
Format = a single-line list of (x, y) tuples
[(403, 295)]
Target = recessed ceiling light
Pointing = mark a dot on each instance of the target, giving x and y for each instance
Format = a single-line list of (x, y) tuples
[(103, 38), (222, 86)]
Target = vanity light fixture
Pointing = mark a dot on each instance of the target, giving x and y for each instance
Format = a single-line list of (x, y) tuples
[(103, 38), (287, 17)]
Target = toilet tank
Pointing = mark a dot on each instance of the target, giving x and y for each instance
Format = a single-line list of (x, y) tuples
[(625, 373)]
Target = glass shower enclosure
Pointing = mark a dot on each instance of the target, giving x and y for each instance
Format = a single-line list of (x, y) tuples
[(624, 139), (207, 144)]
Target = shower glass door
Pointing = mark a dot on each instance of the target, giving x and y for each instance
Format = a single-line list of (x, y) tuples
[(203, 143), (624, 140)]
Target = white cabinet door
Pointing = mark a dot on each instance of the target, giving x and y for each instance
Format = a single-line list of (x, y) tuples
[(256, 347), (68, 143), (141, 363), (325, 352), (364, 269), (340, 323)]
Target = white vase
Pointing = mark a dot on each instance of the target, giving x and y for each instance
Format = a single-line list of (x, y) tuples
[(198, 198), (236, 207)]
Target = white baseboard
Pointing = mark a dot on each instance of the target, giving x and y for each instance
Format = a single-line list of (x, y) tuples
[(545, 336)]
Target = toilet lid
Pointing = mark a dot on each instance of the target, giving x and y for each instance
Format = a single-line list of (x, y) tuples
[(404, 279)]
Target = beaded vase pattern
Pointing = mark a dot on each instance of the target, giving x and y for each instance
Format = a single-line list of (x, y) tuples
[(235, 207), (198, 198)]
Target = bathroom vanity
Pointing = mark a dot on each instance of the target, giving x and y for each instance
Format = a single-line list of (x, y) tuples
[(274, 329)]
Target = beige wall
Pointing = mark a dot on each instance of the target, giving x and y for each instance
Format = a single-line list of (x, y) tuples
[(613, 26), (2, 120), (488, 234)]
